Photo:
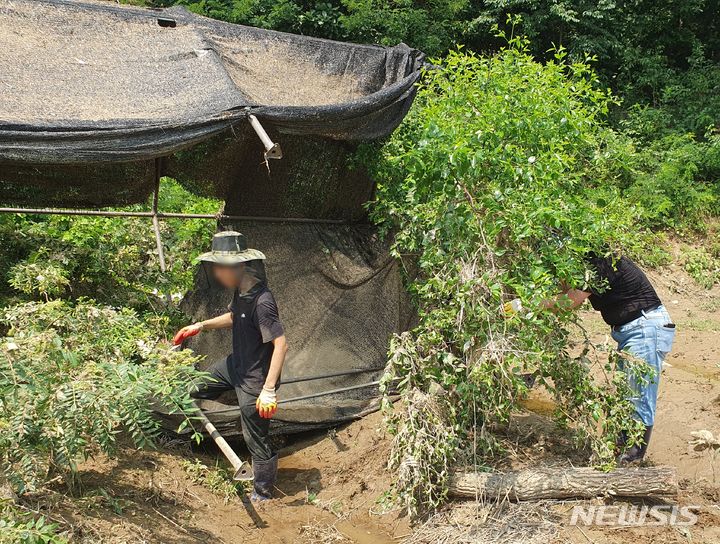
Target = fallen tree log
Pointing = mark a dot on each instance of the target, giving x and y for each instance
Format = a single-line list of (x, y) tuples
[(565, 483)]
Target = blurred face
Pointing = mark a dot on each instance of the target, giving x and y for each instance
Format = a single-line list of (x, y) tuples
[(228, 276)]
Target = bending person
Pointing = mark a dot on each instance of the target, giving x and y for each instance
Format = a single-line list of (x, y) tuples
[(259, 347), (640, 325)]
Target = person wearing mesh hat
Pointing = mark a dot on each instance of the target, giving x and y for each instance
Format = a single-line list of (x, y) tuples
[(259, 348)]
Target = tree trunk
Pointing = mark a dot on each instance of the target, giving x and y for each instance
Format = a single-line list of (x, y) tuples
[(565, 483)]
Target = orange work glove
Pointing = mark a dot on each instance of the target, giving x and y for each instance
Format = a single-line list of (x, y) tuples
[(266, 404), (187, 332)]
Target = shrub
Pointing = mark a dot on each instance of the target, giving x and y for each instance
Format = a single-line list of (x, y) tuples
[(490, 186), (113, 260), (72, 378), (19, 527), (674, 184), (46, 279), (684, 101), (703, 267)]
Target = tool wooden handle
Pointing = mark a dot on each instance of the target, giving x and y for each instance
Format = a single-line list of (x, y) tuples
[(241, 468)]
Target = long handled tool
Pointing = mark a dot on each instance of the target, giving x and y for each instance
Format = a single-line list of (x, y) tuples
[(243, 470)]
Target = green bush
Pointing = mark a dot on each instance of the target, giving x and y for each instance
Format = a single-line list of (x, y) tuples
[(46, 279), (491, 188), (675, 181), (702, 266), (19, 527), (72, 378), (112, 260), (665, 101), (432, 26)]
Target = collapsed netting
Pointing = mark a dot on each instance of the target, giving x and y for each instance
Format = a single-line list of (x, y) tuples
[(87, 84), (340, 298)]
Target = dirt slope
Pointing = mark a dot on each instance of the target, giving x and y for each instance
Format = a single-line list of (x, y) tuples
[(330, 484)]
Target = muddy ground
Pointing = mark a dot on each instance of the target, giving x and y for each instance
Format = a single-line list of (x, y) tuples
[(331, 484)]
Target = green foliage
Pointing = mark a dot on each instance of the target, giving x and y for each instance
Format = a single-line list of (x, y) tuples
[(674, 181), (501, 181), (491, 187), (432, 26), (686, 102), (703, 266), (112, 260), (216, 479), (46, 279), (72, 377), (19, 527), (97, 498)]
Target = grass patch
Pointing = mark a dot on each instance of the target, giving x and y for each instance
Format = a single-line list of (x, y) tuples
[(702, 325), (703, 267), (216, 479)]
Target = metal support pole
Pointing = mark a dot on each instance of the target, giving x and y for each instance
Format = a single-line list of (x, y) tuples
[(272, 149), (331, 392), (333, 375), (306, 397), (155, 220), (171, 215)]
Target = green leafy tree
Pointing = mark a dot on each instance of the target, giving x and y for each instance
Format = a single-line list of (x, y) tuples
[(112, 260), (490, 190), (432, 26), (72, 378)]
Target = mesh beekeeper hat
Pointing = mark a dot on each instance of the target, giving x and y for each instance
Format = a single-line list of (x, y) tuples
[(230, 247)]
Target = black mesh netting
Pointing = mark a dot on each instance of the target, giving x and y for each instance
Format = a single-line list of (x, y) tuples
[(340, 299), (93, 93), (87, 82)]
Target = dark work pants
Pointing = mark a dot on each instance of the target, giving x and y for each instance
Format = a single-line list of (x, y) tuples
[(255, 429)]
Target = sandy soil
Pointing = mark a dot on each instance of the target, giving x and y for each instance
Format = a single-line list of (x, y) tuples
[(331, 484), (328, 487), (689, 401)]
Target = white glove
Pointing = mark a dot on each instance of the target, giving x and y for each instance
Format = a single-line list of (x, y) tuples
[(266, 404)]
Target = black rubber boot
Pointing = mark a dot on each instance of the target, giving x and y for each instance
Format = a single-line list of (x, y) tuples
[(637, 452), (265, 475)]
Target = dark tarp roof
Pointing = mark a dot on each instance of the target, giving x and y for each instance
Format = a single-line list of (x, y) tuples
[(93, 92), (93, 82)]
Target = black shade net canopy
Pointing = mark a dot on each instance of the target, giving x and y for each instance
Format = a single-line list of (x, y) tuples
[(92, 92), (98, 100)]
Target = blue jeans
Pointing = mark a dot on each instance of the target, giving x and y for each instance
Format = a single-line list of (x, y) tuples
[(649, 338)]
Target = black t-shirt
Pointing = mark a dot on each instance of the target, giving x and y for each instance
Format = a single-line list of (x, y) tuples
[(624, 290), (256, 322)]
